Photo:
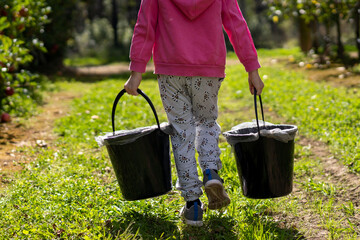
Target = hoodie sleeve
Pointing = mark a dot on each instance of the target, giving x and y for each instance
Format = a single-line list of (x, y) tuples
[(239, 35), (143, 39)]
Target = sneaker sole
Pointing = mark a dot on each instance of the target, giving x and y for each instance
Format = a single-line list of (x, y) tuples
[(193, 223), (216, 194), (190, 222)]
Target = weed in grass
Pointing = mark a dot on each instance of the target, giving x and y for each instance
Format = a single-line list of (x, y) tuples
[(327, 189), (348, 209), (307, 164), (142, 224)]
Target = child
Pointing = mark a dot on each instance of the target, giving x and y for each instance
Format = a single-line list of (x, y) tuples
[(185, 38)]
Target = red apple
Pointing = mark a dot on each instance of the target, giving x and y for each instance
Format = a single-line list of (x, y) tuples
[(3, 12), (21, 27), (54, 48), (5, 117), (23, 12), (9, 91), (12, 68)]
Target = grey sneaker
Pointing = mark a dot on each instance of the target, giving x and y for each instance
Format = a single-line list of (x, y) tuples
[(193, 215), (214, 189)]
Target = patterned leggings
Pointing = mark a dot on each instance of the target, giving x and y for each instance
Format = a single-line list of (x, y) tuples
[(191, 107)]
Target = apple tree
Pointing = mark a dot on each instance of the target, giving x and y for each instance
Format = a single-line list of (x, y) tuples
[(21, 26), (310, 14)]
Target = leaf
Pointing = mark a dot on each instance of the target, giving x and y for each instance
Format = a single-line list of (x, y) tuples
[(3, 23), (6, 42)]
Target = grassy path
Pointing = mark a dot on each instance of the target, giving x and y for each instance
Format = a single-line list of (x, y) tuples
[(34, 132), (70, 191)]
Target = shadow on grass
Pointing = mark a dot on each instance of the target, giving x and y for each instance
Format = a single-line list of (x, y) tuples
[(263, 225), (92, 78), (222, 227), (215, 227), (134, 225), (146, 225)]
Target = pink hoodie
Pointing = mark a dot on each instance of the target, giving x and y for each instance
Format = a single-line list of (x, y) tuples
[(186, 37)]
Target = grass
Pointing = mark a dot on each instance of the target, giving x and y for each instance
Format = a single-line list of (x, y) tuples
[(83, 61), (294, 53), (70, 191), (111, 55)]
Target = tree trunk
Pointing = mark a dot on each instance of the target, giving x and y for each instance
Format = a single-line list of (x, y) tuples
[(132, 11), (260, 6), (305, 36), (114, 22), (316, 34), (242, 5), (357, 26), (340, 49), (95, 8), (327, 44)]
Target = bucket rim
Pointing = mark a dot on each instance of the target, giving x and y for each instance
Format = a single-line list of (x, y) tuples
[(285, 127)]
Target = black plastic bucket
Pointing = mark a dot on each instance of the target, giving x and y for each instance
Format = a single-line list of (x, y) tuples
[(142, 167), (265, 166)]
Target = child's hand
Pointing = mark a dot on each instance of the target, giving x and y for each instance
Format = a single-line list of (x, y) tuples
[(133, 83), (255, 82)]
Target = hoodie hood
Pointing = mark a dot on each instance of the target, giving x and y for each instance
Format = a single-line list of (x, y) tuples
[(193, 8)]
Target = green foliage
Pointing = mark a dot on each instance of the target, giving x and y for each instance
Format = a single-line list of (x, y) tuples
[(311, 14), (92, 39), (94, 33), (323, 10), (21, 27), (56, 35)]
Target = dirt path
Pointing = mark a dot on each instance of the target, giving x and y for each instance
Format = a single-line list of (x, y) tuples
[(347, 190), (335, 172), (105, 70), (336, 75), (332, 172), (118, 68), (35, 132)]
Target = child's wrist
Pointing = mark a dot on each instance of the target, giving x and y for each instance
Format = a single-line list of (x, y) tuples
[(136, 73)]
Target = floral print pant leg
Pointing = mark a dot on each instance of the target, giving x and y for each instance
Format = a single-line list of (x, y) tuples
[(191, 107)]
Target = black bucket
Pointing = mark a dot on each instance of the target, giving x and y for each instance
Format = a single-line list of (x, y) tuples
[(265, 166), (142, 166)]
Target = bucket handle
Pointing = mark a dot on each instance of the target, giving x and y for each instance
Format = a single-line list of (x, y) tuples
[(256, 112), (116, 101)]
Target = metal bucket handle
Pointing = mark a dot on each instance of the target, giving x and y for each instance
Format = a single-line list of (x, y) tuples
[(256, 112), (121, 93)]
